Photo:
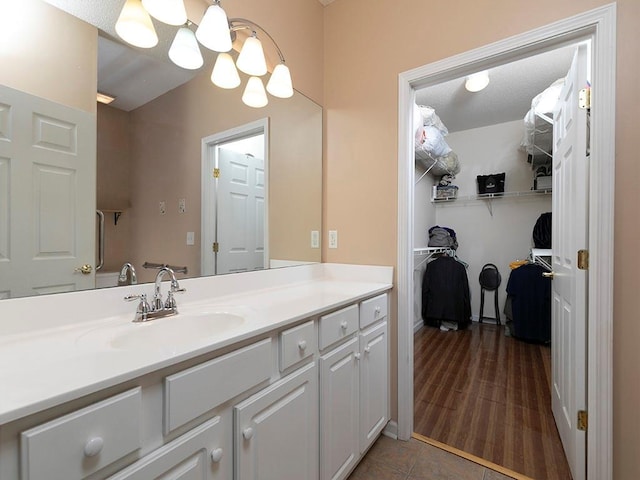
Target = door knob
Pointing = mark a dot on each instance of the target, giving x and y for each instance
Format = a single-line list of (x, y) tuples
[(548, 274), (85, 269)]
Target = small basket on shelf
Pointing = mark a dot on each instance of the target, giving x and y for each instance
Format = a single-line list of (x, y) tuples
[(445, 192)]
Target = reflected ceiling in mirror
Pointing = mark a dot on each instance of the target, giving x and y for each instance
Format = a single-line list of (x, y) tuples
[(152, 152)]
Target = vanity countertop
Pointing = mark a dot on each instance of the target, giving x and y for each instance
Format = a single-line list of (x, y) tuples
[(50, 358)]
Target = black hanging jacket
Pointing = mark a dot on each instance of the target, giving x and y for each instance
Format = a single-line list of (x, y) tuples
[(445, 293)]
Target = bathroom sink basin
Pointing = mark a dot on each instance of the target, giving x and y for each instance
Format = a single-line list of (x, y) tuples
[(194, 326)]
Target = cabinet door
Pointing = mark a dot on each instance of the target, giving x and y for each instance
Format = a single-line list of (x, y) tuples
[(339, 411), (374, 383), (200, 454), (276, 430)]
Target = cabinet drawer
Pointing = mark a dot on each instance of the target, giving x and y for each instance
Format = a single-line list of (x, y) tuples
[(81, 443), (202, 453), (373, 310), (338, 325), (296, 344), (192, 392)]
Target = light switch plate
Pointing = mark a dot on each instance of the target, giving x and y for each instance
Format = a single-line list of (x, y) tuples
[(162, 207), (315, 239), (333, 239), (191, 238), (182, 205)]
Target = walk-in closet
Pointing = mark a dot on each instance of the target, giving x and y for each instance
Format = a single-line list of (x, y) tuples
[(484, 173)]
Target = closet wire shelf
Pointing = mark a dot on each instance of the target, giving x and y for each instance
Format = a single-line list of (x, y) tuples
[(491, 196)]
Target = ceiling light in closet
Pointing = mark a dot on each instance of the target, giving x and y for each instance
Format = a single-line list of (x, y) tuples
[(477, 81)]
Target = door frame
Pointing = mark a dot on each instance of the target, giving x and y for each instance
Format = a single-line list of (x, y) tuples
[(599, 25), (208, 187)]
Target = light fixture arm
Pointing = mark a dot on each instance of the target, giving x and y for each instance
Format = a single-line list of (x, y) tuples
[(237, 23)]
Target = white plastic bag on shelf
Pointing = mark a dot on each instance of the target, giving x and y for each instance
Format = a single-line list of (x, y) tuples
[(434, 142), (430, 118)]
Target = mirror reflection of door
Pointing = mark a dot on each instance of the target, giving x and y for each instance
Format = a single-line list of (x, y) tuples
[(240, 195), (47, 171), (235, 200)]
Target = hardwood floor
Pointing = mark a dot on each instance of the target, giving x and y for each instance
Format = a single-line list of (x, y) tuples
[(489, 395)]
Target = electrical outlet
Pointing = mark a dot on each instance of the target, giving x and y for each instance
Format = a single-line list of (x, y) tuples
[(333, 239), (162, 207), (315, 239), (182, 205)]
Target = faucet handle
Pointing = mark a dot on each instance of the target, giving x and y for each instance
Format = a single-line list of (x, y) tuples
[(143, 307)]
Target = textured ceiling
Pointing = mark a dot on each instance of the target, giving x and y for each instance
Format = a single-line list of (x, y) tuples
[(507, 97)]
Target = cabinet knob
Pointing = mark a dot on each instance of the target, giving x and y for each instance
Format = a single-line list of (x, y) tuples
[(216, 455), (367, 349), (93, 446), (247, 433), (344, 325), (302, 345), (377, 311), (357, 355)]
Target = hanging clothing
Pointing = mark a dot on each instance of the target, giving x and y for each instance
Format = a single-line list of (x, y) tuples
[(445, 293), (529, 295)]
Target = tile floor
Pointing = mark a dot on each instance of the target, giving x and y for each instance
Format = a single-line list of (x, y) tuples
[(390, 459)]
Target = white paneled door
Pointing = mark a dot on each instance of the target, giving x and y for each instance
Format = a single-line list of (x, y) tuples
[(569, 286), (241, 212), (47, 196)]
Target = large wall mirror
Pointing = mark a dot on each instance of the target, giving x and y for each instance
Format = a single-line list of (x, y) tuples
[(139, 160)]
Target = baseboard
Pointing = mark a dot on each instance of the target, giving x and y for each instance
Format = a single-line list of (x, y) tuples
[(391, 430)]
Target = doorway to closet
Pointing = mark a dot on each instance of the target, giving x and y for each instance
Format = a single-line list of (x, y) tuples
[(491, 389), (599, 26)]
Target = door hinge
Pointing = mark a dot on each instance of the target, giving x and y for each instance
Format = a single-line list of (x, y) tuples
[(583, 259), (583, 420), (215, 247), (584, 98), (216, 173)]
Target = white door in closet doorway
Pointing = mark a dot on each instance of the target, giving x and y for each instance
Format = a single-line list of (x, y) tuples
[(569, 286), (241, 212)]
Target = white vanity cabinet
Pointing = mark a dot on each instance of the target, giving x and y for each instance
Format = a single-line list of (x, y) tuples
[(302, 400), (354, 385), (197, 455), (276, 430)]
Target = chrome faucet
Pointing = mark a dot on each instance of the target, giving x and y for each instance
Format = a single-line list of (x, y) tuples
[(122, 278), (158, 308), (174, 288)]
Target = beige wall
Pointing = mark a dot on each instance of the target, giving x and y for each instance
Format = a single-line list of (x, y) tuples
[(48, 53), (367, 44), (166, 137)]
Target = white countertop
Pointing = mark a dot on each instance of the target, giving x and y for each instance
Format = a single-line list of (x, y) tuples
[(50, 354)]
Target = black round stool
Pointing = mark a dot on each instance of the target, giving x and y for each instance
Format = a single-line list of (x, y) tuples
[(490, 280)]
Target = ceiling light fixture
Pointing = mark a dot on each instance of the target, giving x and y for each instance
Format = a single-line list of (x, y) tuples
[(215, 32), (225, 74), (134, 25), (477, 81), (185, 51), (104, 98), (254, 94), (171, 12)]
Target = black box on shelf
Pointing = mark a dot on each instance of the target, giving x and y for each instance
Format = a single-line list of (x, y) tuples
[(493, 183)]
